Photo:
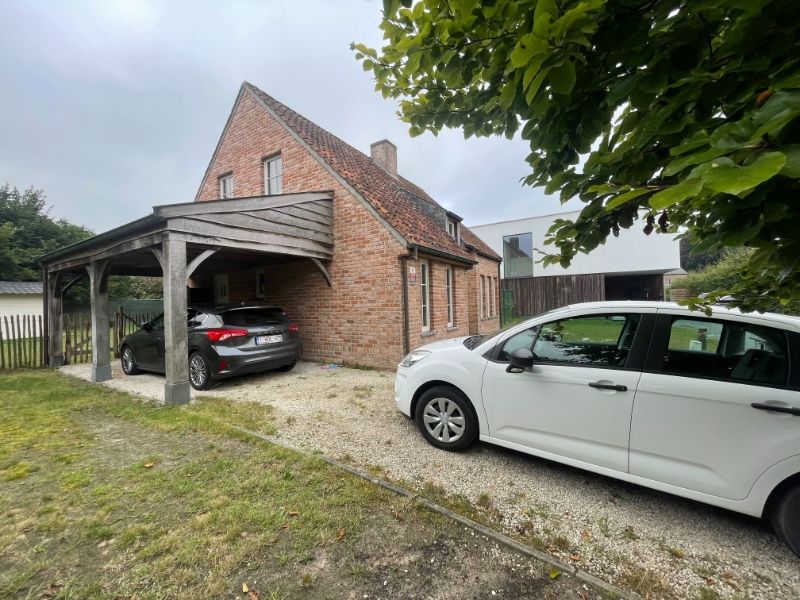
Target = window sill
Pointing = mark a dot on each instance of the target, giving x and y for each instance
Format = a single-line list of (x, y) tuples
[(427, 334), (452, 328)]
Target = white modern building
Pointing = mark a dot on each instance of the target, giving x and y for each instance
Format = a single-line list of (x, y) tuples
[(633, 266)]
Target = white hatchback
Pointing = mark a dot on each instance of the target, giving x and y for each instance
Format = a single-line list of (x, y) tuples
[(705, 407)]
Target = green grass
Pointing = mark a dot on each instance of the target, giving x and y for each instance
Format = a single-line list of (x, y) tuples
[(104, 496)]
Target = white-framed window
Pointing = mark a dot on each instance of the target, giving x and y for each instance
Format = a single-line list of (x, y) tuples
[(482, 296), (273, 175), (452, 228), (226, 186), (260, 284), (490, 282), (425, 289), (451, 312)]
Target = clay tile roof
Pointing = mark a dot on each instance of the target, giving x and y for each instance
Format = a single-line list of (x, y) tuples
[(393, 198)]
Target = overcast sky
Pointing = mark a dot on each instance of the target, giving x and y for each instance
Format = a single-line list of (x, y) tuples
[(114, 106)]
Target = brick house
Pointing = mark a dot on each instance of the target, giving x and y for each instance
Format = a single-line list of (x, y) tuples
[(405, 271)]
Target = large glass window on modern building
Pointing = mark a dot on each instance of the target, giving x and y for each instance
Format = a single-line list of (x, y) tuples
[(518, 255)]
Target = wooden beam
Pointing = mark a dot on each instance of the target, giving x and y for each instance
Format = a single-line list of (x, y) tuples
[(55, 323), (110, 251), (325, 273), (176, 341), (301, 211), (198, 260), (101, 343), (273, 216), (77, 279), (266, 225), (159, 257), (224, 232), (238, 204), (271, 249)]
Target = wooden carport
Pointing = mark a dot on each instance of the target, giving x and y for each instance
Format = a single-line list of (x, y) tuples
[(172, 242)]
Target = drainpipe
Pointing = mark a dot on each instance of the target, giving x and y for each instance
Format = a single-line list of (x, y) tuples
[(404, 281)]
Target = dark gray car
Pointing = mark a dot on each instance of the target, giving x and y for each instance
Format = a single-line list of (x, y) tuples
[(223, 342)]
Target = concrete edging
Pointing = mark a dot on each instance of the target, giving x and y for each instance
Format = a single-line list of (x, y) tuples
[(437, 508)]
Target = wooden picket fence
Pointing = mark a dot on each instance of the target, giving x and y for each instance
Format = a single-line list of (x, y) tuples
[(22, 343)]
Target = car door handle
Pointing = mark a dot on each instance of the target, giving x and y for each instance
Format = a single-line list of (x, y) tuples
[(608, 386), (789, 410)]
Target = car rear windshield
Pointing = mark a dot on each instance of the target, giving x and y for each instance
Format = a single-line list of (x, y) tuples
[(247, 317)]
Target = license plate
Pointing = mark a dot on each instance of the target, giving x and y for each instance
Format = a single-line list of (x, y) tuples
[(268, 339)]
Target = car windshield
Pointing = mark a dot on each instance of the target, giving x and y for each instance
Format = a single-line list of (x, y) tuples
[(243, 317)]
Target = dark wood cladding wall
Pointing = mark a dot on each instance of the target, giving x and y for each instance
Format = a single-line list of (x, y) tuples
[(535, 295)]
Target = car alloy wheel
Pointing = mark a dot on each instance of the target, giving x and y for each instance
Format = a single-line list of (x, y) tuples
[(129, 361), (446, 418), (198, 371)]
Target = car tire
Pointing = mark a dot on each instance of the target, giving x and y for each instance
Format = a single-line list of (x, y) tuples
[(200, 376), (128, 360), (446, 419), (785, 518), (287, 368)]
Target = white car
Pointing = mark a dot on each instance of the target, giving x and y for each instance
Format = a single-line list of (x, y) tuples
[(705, 407)]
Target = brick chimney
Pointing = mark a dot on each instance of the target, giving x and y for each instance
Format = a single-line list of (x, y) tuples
[(384, 153)]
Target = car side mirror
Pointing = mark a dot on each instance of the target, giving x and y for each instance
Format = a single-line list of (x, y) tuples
[(520, 360)]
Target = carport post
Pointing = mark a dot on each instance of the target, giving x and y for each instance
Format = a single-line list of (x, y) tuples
[(55, 340), (176, 343), (101, 343)]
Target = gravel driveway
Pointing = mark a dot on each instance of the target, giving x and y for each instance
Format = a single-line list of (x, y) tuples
[(645, 541)]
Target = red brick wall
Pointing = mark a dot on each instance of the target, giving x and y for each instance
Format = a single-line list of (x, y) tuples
[(359, 319), (438, 303), (491, 297)]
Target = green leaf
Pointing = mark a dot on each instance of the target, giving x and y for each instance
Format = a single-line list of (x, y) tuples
[(678, 165), (729, 178), (792, 166), (562, 78), (625, 197), (676, 193), (554, 573), (544, 7)]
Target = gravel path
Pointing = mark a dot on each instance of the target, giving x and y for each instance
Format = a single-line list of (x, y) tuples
[(640, 539)]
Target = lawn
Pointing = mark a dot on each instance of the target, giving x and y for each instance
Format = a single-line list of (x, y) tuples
[(105, 496)]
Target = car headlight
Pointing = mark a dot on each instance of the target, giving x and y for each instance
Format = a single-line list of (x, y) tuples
[(414, 357)]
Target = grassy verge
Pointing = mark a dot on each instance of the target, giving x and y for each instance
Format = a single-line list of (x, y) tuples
[(102, 496)]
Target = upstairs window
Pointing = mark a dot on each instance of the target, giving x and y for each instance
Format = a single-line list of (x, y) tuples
[(226, 186), (518, 255), (273, 175), (452, 228)]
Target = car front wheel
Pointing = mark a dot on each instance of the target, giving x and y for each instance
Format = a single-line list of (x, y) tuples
[(200, 372), (446, 419), (786, 518), (129, 362)]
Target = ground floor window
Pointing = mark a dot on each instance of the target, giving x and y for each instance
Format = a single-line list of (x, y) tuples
[(449, 286), (482, 296), (425, 288)]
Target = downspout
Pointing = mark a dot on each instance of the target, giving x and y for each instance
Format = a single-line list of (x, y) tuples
[(404, 281)]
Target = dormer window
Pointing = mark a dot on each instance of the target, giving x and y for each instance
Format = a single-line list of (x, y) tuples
[(226, 186), (452, 228)]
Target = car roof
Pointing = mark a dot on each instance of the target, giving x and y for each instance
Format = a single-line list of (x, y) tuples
[(718, 310), (229, 307)]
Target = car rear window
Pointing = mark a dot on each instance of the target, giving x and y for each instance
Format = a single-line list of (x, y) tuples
[(244, 317)]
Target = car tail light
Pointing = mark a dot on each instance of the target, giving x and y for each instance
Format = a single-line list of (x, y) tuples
[(293, 328), (223, 364), (220, 335)]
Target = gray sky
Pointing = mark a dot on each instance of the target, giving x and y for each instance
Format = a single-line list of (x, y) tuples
[(114, 106)]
